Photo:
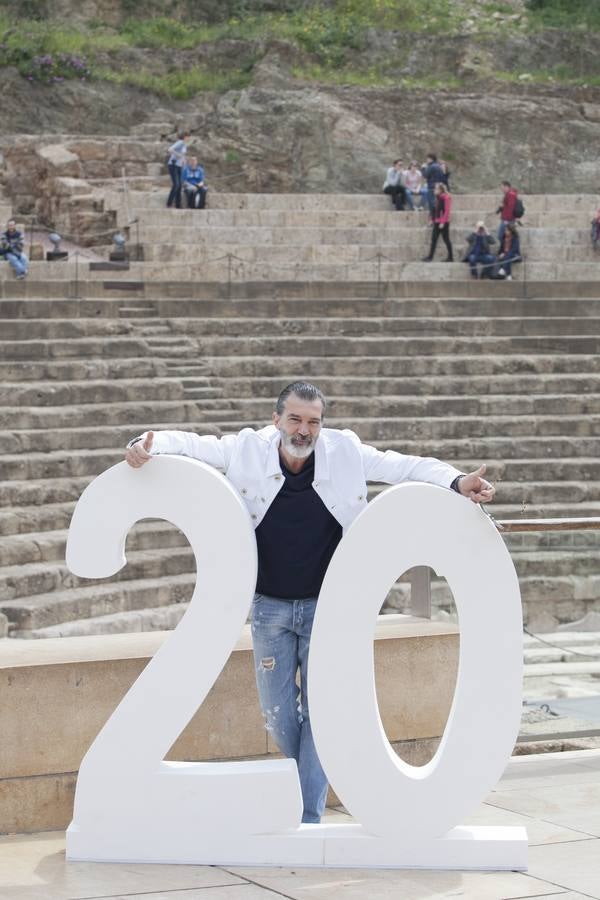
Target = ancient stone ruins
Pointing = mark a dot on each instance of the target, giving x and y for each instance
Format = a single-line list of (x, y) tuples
[(214, 311)]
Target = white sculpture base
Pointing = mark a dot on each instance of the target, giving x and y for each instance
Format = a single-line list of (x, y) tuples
[(346, 846)]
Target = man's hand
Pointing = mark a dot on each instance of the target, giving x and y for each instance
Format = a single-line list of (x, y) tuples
[(139, 453), (476, 487)]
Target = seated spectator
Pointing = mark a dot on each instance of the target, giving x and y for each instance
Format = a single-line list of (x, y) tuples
[(11, 248), (433, 174), (478, 251), (193, 184), (508, 208), (393, 185), (415, 186), (596, 230), (509, 253)]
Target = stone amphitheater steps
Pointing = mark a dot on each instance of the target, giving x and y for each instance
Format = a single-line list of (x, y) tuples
[(422, 360), (43, 610)]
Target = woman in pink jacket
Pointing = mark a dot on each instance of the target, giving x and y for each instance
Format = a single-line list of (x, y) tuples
[(441, 222)]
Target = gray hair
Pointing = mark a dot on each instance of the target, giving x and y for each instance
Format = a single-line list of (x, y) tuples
[(302, 389)]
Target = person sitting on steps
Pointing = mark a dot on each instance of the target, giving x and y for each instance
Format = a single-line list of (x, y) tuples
[(479, 251), (393, 185), (193, 184), (11, 248), (509, 253), (441, 222)]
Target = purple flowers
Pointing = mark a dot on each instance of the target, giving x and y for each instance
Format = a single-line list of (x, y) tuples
[(53, 69)]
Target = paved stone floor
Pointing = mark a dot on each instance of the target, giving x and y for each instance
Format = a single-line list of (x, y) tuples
[(556, 796)]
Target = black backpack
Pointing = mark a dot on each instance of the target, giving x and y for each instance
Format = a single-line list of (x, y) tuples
[(519, 208)]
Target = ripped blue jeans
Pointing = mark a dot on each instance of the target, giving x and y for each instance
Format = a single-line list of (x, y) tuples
[(280, 636)]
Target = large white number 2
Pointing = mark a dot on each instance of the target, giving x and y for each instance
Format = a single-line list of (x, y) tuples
[(131, 805)]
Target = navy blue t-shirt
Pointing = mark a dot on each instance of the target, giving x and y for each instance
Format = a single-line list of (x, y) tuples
[(296, 539)]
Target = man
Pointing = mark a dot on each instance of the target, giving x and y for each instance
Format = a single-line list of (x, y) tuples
[(506, 210), (11, 248), (433, 174), (193, 184), (302, 484), (393, 184), (478, 251)]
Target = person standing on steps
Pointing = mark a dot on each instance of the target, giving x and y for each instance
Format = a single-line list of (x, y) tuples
[(302, 484), (433, 174), (177, 159), (441, 222), (507, 209)]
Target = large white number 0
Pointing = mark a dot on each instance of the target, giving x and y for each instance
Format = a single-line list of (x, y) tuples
[(131, 805)]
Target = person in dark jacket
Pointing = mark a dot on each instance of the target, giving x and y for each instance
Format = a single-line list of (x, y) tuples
[(433, 174), (11, 248), (479, 251), (509, 253), (441, 222)]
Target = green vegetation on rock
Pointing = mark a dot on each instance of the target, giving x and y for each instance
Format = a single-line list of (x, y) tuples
[(341, 42)]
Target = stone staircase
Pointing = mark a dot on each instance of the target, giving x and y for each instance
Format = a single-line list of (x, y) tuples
[(416, 360)]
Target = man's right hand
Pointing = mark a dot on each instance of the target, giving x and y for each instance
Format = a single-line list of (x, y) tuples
[(139, 453)]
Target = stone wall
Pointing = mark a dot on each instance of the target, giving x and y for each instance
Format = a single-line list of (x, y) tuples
[(58, 693)]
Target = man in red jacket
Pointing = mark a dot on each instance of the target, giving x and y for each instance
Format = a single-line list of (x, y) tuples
[(507, 208)]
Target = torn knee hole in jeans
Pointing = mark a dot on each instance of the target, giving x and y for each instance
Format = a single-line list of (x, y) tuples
[(267, 663)]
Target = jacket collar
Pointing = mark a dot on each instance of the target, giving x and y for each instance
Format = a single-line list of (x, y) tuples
[(273, 466)]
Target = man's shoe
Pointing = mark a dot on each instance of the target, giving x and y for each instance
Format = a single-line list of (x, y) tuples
[(501, 272), (509, 277), (21, 276), (449, 259), (427, 259), (474, 275)]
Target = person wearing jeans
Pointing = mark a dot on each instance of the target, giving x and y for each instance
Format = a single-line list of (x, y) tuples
[(281, 632), (441, 222), (302, 485), (11, 248), (478, 251), (415, 187), (177, 158)]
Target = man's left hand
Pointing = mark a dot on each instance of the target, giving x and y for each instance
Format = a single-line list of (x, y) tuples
[(476, 487)]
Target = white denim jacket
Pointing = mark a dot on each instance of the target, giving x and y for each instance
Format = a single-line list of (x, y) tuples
[(343, 466)]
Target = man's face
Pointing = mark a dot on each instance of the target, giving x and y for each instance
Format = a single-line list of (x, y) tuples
[(193, 162), (10, 226), (505, 188), (399, 164), (299, 425)]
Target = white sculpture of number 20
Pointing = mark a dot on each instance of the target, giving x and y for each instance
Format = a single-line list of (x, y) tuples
[(131, 805)]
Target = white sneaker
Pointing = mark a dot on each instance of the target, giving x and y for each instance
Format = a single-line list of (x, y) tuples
[(501, 272), (509, 277)]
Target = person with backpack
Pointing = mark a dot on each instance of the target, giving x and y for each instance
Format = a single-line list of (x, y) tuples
[(510, 210), (441, 222)]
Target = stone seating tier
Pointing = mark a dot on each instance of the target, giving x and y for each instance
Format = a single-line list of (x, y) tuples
[(429, 363)]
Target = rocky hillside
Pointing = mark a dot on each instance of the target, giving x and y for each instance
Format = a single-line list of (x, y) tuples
[(307, 97)]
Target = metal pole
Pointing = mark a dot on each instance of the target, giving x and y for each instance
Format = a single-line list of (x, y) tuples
[(229, 264), (77, 275), (420, 592)]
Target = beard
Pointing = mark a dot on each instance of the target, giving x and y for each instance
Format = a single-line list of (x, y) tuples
[(297, 446)]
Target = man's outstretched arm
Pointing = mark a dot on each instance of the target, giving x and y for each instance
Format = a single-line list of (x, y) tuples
[(207, 448)]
